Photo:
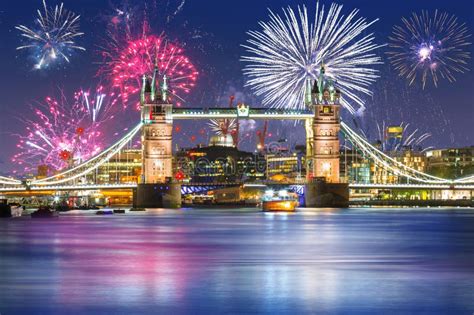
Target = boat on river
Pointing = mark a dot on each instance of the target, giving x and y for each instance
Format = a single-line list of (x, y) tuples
[(281, 201)]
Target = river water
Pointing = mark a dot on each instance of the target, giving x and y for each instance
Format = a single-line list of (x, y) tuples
[(239, 261)]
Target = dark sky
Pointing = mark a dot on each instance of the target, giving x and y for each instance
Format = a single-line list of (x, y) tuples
[(448, 114)]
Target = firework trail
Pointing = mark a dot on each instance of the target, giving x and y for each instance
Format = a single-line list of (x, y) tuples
[(408, 138), (289, 50), (394, 101), (53, 38), (64, 133), (98, 106), (429, 47)]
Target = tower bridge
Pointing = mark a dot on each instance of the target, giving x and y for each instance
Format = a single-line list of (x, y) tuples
[(157, 185)]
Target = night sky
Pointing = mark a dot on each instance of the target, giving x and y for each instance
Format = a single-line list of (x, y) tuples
[(447, 111)]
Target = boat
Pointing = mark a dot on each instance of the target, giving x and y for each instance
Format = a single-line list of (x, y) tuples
[(105, 212), (44, 212), (283, 201)]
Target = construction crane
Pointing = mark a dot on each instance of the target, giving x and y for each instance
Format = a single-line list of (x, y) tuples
[(235, 132), (261, 135)]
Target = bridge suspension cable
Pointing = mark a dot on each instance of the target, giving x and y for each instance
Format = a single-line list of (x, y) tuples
[(388, 162), (9, 181), (467, 179), (89, 165)]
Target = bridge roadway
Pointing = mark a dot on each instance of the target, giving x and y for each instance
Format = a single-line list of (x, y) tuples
[(38, 188)]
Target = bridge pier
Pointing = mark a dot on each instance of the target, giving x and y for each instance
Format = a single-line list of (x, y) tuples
[(320, 194), (157, 196)]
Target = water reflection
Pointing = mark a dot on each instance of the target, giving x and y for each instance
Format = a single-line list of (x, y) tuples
[(240, 261)]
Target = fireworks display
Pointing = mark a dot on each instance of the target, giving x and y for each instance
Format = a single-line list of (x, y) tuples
[(393, 102), (282, 57), (140, 57), (97, 105), (429, 47), (290, 49), (223, 127), (53, 38), (64, 133)]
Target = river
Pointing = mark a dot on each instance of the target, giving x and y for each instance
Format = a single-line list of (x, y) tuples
[(240, 261)]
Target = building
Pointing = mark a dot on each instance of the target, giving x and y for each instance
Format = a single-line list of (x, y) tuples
[(354, 168), (222, 140), (219, 164), (411, 158), (286, 166), (450, 163), (123, 167)]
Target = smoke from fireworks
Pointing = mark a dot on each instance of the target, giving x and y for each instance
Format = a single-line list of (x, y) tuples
[(430, 47), (53, 38), (289, 51), (127, 66), (64, 133)]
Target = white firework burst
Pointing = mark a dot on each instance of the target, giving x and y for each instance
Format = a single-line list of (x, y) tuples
[(408, 138), (54, 38), (290, 49), (222, 127)]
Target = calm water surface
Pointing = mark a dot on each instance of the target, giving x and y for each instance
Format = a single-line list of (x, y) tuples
[(239, 261)]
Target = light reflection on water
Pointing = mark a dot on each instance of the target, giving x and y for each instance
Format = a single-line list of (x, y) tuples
[(240, 261)]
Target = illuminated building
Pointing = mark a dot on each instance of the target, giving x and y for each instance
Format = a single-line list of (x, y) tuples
[(354, 167), (222, 140), (413, 159), (450, 163), (123, 167), (223, 164), (286, 166)]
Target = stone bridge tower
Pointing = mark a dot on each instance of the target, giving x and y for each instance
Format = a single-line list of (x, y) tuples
[(324, 188), (157, 130), (156, 188), (326, 125)]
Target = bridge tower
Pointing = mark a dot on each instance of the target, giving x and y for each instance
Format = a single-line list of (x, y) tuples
[(324, 188), (156, 188), (156, 111), (326, 125)]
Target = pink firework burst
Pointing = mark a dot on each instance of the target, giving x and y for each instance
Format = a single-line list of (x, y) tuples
[(141, 56), (63, 133)]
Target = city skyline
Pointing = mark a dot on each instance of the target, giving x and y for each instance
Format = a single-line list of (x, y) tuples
[(221, 77)]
